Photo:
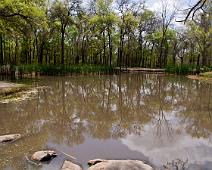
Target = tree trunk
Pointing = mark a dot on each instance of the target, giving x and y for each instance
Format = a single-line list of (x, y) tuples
[(104, 48), (161, 53), (40, 57), (204, 56), (30, 53), (16, 50), (62, 44), (140, 48), (1, 50), (55, 56), (110, 47), (121, 45), (83, 50), (166, 52)]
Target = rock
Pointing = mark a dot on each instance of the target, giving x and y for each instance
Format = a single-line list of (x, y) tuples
[(176, 164), (67, 165), (119, 165), (9, 138), (43, 156)]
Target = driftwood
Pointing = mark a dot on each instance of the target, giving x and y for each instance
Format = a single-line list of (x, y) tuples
[(72, 157)]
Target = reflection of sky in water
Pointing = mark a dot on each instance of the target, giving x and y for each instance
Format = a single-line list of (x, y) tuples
[(93, 149), (170, 145)]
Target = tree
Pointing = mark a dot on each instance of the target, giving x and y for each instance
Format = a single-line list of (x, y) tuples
[(166, 21), (193, 10), (61, 11), (120, 33), (17, 19)]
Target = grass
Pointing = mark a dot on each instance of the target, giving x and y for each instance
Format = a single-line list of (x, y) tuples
[(178, 69), (186, 69), (204, 77), (60, 70), (206, 74), (85, 69)]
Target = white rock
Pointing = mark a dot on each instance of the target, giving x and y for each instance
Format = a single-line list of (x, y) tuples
[(43, 156), (9, 138), (120, 165), (67, 165)]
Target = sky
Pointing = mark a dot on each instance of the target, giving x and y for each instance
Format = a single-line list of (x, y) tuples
[(156, 5), (181, 4)]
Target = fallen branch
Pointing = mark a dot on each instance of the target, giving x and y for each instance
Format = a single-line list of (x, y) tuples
[(72, 157)]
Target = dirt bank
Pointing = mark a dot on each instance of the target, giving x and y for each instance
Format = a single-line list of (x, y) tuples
[(205, 77), (12, 92), (7, 88)]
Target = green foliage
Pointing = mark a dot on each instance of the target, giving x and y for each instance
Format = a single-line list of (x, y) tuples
[(180, 69), (108, 33), (16, 14), (206, 74), (188, 69), (58, 70)]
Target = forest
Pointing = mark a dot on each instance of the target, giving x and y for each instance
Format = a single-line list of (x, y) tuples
[(111, 33), (97, 84)]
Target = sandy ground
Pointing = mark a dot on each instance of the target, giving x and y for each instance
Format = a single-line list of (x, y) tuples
[(200, 78), (12, 92), (8, 85)]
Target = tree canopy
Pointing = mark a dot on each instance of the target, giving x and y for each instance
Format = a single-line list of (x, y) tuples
[(112, 33)]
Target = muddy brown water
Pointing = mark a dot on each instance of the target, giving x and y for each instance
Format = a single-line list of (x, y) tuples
[(155, 118)]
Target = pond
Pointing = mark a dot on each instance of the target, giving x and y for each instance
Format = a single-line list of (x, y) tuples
[(151, 117)]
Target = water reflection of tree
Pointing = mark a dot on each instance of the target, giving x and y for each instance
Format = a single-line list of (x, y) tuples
[(157, 97), (197, 115), (113, 107)]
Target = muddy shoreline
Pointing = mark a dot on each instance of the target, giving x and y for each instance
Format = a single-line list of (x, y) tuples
[(13, 92), (7, 88), (200, 78)]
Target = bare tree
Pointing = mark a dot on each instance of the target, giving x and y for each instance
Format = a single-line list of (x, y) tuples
[(192, 10), (167, 18)]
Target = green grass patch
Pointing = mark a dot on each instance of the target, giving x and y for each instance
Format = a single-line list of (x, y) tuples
[(178, 69), (186, 69), (60, 70), (206, 74)]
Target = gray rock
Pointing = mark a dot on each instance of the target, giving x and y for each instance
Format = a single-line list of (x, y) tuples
[(67, 165), (119, 165), (9, 138), (43, 156), (176, 164)]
